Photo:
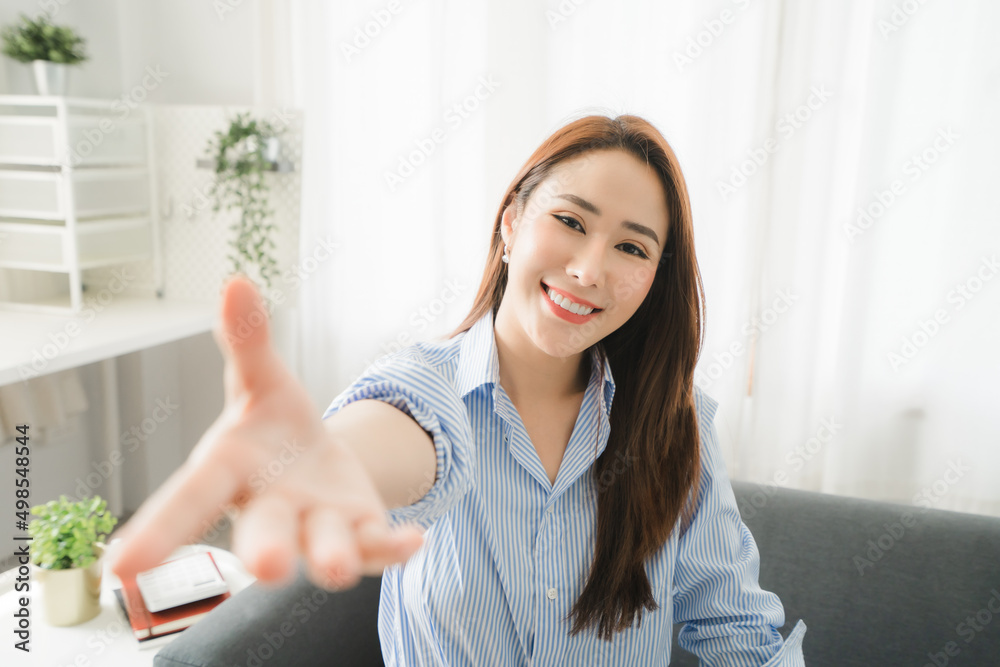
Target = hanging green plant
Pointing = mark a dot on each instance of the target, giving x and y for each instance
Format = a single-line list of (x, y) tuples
[(240, 165)]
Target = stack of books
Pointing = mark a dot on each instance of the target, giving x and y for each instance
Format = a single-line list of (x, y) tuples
[(173, 596)]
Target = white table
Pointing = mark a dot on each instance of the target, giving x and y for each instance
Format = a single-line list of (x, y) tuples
[(106, 640), (124, 325)]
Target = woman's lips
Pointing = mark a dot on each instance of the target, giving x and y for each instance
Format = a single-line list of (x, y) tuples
[(564, 314), (574, 299)]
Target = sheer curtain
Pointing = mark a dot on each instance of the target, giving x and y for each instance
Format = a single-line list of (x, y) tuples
[(787, 119), (393, 172), (868, 375)]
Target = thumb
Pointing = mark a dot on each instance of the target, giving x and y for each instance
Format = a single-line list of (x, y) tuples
[(243, 334)]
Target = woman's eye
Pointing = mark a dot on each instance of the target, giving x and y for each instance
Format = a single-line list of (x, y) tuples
[(638, 251), (569, 222)]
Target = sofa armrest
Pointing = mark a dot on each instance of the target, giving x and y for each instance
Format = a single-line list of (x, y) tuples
[(299, 624)]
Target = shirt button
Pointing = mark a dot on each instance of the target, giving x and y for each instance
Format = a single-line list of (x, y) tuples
[(551, 593), (549, 510)]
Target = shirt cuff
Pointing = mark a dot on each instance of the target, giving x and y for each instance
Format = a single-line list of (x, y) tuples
[(406, 382), (790, 654)]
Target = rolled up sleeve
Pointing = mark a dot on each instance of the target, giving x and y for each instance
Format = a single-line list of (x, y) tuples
[(406, 381), (729, 620)]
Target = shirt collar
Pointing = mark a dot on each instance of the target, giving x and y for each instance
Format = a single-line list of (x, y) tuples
[(479, 365)]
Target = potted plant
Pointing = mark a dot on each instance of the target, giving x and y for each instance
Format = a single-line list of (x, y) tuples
[(242, 155), (66, 549), (50, 49)]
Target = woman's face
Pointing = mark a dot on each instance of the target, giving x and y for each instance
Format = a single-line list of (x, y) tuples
[(592, 232)]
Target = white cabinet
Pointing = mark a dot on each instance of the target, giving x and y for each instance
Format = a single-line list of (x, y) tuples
[(76, 188)]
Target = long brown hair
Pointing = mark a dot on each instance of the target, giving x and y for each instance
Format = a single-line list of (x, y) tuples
[(652, 358)]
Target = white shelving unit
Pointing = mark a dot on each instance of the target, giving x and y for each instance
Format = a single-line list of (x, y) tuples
[(77, 189)]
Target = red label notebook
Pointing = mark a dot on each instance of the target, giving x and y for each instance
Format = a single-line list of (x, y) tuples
[(147, 625)]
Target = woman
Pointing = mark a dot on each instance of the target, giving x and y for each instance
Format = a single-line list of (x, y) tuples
[(555, 525)]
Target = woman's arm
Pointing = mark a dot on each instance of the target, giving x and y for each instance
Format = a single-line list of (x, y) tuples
[(386, 418), (729, 619), (397, 452)]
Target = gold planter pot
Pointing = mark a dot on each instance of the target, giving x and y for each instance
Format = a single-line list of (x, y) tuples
[(73, 596)]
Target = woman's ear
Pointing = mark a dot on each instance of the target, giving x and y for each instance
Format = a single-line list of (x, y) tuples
[(507, 223)]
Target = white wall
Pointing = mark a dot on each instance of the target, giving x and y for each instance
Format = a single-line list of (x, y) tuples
[(208, 59), (97, 22)]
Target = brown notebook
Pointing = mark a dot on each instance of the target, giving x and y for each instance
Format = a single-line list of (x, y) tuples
[(147, 625)]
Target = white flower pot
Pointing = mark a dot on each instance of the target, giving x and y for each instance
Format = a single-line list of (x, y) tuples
[(272, 146), (50, 77)]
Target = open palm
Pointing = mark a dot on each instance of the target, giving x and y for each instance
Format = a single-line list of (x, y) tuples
[(298, 490)]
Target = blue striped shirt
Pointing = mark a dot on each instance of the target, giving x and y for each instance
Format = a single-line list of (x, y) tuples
[(506, 553)]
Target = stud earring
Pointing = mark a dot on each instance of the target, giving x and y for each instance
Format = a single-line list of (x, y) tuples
[(506, 257)]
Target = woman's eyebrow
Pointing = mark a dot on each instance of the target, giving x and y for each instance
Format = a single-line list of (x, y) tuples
[(587, 206)]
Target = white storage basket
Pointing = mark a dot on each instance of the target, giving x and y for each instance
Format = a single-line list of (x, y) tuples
[(76, 189), (32, 246), (96, 192), (94, 136), (100, 242)]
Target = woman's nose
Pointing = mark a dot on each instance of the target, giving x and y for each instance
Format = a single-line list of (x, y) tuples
[(587, 265)]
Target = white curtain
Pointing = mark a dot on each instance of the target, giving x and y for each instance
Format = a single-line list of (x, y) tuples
[(787, 118), (394, 171)]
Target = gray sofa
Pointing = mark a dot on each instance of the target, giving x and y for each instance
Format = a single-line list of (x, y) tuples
[(877, 584)]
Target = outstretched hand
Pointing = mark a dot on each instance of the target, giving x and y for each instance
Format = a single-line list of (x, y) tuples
[(298, 492)]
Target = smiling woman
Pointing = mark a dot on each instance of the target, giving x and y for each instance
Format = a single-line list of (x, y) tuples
[(554, 448), (597, 279), (583, 247)]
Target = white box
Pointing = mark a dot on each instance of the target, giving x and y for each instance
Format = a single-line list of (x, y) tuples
[(44, 195)]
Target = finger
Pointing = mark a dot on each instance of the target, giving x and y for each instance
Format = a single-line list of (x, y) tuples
[(177, 513), (243, 335), (381, 546), (331, 554), (266, 540)]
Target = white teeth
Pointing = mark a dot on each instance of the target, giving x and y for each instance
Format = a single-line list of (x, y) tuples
[(566, 304)]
